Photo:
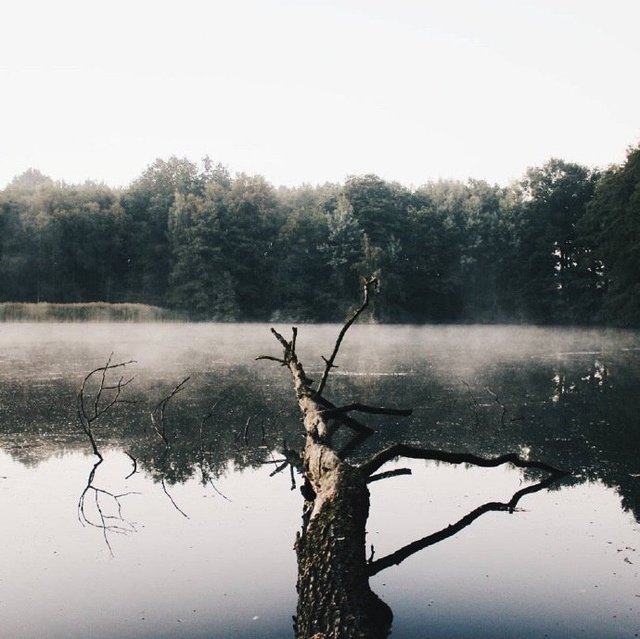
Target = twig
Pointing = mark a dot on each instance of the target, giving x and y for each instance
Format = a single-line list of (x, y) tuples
[(161, 407), (135, 464), (279, 468), (370, 284), (203, 421), (216, 490), (502, 406), (105, 522), (166, 492), (88, 416), (372, 555)]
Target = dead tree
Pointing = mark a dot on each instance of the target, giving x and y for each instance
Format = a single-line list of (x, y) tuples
[(335, 600)]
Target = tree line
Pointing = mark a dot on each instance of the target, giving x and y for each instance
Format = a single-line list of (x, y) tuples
[(559, 246)]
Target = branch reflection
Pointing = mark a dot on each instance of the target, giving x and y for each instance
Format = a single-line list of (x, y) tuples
[(397, 557)]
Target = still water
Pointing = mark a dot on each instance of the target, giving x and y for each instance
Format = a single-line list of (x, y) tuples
[(194, 537)]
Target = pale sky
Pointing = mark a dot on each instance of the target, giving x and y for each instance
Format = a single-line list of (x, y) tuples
[(312, 91)]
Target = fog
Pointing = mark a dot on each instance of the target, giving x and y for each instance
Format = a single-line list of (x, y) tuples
[(569, 397), (33, 348)]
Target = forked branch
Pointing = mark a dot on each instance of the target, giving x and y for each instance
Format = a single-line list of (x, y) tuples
[(104, 511), (106, 397)]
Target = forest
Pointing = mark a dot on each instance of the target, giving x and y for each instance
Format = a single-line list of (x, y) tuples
[(560, 246)]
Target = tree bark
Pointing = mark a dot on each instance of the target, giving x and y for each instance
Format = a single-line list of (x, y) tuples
[(334, 597)]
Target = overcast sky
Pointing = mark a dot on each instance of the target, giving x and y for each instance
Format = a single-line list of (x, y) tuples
[(313, 91)]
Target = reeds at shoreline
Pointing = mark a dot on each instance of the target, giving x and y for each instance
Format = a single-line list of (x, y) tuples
[(84, 312)]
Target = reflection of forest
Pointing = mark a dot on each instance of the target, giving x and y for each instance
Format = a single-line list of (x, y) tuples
[(578, 413)]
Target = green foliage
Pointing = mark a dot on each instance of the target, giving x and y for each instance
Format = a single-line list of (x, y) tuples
[(612, 230), (555, 276), (561, 246)]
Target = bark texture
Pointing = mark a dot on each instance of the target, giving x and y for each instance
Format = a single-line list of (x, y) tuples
[(334, 597)]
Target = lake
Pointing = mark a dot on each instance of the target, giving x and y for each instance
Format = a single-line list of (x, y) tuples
[(186, 528)]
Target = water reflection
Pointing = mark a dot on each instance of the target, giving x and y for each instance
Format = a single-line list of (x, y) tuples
[(201, 577), (589, 428), (576, 409)]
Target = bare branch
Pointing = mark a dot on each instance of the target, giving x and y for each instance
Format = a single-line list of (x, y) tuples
[(413, 452), (217, 491), (161, 429), (207, 417), (389, 473), (282, 466), (135, 464), (89, 411), (503, 414), (104, 502), (343, 418), (163, 403), (286, 345), (273, 359), (166, 492), (159, 432), (403, 553), (370, 284)]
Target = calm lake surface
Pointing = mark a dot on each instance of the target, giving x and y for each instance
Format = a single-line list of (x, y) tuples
[(198, 541)]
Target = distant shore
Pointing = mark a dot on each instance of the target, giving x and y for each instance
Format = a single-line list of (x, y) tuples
[(85, 312)]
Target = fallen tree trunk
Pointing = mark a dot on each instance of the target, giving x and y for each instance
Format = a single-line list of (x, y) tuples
[(335, 600)]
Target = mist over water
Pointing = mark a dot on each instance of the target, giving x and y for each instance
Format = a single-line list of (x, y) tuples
[(566, 566), (176, 347)]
